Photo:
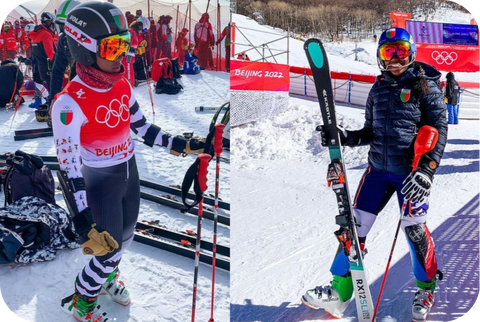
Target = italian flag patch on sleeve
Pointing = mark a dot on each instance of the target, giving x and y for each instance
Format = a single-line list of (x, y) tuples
[(66, 117)]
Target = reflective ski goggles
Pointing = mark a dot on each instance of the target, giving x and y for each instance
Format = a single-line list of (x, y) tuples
[(401, 49), (111, 48)]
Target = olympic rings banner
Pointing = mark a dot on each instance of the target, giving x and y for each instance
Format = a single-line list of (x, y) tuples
[(449, 58), (259, 76)]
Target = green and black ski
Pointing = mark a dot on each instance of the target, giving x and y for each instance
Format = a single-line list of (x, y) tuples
[(347, 234)]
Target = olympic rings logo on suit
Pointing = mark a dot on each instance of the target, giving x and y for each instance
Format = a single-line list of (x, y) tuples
[(111, 116), (444, 57)]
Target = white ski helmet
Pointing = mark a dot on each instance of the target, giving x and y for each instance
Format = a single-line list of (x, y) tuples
[(145, 22), (29, 27), (46, 16), (64, 9)]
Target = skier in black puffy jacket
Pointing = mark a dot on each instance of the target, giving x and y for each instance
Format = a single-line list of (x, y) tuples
[(451, 94), (11, 80), (405, 97)]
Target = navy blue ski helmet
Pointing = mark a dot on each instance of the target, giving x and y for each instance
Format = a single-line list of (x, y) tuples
[(395, 41)]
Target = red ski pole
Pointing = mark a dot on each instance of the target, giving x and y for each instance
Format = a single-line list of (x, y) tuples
[(218, 150), (148, 76), (426, 139), (202, 180)]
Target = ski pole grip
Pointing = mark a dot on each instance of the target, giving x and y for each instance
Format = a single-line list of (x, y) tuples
[(203, 170), (218, 139), (425, 142)]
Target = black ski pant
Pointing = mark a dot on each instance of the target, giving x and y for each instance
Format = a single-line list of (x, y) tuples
[(43, 64), (139, 68), (113, 194)]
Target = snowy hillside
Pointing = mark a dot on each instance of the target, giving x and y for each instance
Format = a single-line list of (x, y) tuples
[(283, 239), (160, 282), (341, 56)]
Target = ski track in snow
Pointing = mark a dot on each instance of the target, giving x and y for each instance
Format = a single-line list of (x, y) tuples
[(160, 283)]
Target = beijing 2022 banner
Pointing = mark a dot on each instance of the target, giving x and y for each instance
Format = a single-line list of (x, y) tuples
[(460, 34), (259, 76), (426, 32), (443, 33)]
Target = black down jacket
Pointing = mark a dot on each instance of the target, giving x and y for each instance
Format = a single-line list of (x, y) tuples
[(451, 90), (395, 110)]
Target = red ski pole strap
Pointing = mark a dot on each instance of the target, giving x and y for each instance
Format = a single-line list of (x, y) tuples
[(213, 132), (196, 175), (218, 143)]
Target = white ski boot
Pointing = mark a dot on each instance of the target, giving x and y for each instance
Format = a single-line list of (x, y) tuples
[(422, 304), (85, 309), (327, 298), (115, 288)]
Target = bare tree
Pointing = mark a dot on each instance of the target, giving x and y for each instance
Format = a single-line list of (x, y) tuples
[(334, 19)]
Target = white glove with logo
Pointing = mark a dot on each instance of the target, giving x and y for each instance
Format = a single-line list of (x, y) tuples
[(416, 187)]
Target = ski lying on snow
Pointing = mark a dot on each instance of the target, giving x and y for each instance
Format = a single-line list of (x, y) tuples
[(33, 131), (52, 163), (178, 192), (158, 236), (186, 249), (32, 134), (318, 61), (209, 109), (170, 202), (165, 200), (178, 236)]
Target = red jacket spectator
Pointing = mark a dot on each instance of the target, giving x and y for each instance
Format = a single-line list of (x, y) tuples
[(133, 37), (41, 35), (203, 31), (22, 37), (152, 41), (204, 39), (243, 56), (10, 39), (43, 51), (182, 46), (3, 48)]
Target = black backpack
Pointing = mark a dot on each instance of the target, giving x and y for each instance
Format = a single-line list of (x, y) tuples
[(175, 68), (26, 175), (163, 74), (168, 86)]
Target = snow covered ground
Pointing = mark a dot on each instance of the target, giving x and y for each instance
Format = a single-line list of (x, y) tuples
[(160, 283), (283, 241)]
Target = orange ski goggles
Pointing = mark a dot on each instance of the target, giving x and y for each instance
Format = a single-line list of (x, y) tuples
[(112, 47), (401, 49)]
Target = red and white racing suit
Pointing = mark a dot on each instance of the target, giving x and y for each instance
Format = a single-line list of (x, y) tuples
[(92, 136)]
